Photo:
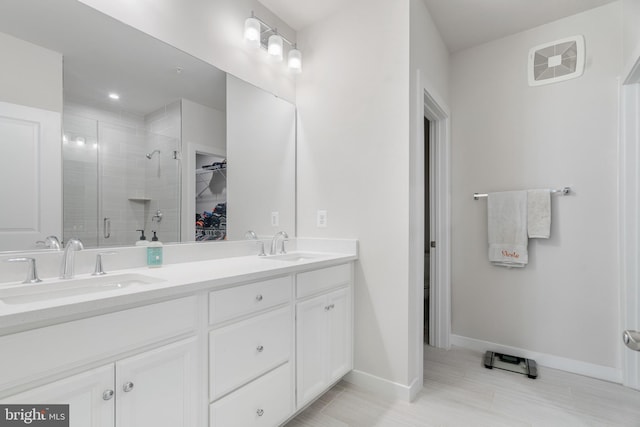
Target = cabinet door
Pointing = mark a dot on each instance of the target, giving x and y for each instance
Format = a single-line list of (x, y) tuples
[(311, 348), (339, 330), (89, 406), (159, 388)]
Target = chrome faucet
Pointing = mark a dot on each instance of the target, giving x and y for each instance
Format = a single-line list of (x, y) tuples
[(32, 275), (280, 235), (251, 235), (66, 268), (50, 242)]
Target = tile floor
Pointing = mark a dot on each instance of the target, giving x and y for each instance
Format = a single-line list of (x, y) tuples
[(459, 391)]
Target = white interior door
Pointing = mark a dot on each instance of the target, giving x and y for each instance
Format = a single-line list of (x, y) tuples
[(30, 153), (630, 229)]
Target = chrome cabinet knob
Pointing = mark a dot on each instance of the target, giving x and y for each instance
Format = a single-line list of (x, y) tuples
[(108, 394), (260, 348), (127, 387), (260, 412), (259, 297)]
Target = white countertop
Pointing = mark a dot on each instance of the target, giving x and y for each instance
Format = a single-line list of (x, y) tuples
[(174, 280)]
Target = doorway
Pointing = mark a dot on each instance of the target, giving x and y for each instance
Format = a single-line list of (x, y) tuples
[(427, 227)]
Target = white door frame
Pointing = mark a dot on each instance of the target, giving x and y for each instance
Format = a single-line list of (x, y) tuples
[(440, 195), (629, 211), (429, 105)]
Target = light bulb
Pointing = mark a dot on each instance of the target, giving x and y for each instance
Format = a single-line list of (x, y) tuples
[(252, 32), (295, 60), (275, 47)]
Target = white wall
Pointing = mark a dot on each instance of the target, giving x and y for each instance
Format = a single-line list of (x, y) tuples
[(32, 75), (630, 33), (507, 135), (261, 152), (429, 71), (211, 30), (204, 126), (353, 156)]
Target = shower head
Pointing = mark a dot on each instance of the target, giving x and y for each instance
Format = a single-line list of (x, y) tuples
[(150, 155)]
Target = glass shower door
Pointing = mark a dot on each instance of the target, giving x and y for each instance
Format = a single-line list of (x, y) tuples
[(80, 179)]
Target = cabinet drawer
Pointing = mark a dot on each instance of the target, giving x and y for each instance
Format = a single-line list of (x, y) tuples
[(240, 352), (313, 282), (241, 300), (266, 402), (52, 349)]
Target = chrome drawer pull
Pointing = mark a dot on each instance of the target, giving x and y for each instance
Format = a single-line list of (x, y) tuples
[(127, 387), (107, 395), (260, 348), (259, 297), (260, 412)]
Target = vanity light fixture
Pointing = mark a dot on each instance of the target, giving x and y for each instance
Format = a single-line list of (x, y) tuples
[(258, 33), (275, 47), (252, 31), (114, 96), (295, 60)]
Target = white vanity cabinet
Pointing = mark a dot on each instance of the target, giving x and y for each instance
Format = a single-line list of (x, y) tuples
[(151, 389), (250, 354), (158, 388), (151, 380), (90, 397), (323, 330)]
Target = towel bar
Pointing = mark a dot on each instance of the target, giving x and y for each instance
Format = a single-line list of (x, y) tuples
[(560, 191)]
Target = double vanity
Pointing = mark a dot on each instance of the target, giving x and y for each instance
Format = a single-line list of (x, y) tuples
[(228, 341)]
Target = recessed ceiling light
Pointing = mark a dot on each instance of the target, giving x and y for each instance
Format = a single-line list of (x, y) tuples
[(113, 95)]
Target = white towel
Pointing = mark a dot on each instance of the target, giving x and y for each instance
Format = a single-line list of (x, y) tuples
[(507, 215), (539, 214)]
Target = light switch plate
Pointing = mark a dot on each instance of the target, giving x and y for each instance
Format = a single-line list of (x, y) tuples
[(275, 219), (322, 219)]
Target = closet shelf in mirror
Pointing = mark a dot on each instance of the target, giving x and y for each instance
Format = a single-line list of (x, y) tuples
[(139, 199), (203, 171)]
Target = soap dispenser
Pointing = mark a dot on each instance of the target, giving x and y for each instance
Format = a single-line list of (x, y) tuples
[(154, 252), (143, 239)]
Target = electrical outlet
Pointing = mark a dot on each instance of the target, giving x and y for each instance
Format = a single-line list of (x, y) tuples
[(275, 219), (322, 219)]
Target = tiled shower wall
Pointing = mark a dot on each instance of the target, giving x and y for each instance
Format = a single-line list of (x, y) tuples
[(163, 172)]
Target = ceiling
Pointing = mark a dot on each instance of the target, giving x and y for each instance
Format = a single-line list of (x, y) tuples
[(462, 23), (103, 55)]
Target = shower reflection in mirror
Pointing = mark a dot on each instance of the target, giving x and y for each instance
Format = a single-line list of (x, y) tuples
[(114, 166)]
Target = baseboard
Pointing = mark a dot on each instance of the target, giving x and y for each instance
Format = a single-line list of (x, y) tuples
[(550, 361), (384, 387)]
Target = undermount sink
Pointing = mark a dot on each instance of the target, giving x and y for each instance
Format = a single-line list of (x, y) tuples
[(26, 293), (295, 257)]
